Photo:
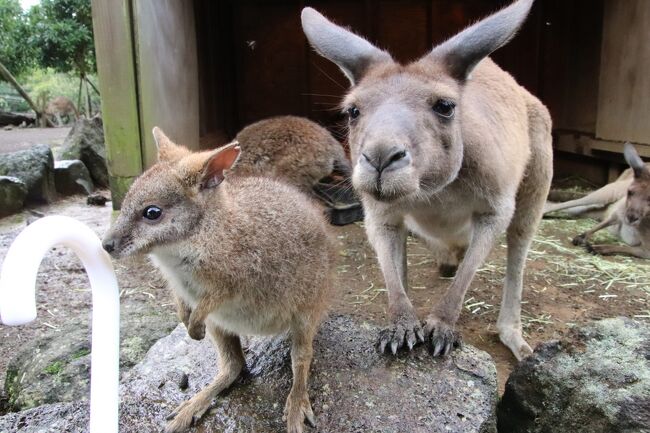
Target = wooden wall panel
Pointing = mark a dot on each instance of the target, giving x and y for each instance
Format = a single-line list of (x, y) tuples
[(269, 59), (167, 73), (571, 62), (624, 102)]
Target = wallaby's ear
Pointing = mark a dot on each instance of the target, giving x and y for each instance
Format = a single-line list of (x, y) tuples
[(218, 162), (464, 51), (168, 151), (635, 161), (352, 53)]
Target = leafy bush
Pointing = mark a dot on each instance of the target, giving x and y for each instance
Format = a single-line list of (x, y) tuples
[(43, 85)]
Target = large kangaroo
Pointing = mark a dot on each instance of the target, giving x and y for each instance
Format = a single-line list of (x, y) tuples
[(629, 216), (451, 148)]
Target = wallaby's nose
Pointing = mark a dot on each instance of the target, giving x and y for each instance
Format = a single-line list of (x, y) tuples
[(393, 159), (109, 245)]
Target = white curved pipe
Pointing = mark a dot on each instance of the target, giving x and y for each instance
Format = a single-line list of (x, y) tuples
[(18, 302)]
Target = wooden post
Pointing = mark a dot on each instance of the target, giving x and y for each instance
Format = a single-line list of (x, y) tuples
[(112, 25)]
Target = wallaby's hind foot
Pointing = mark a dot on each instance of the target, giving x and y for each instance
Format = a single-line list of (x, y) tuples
[(297, 412), (231, 363), (440, 337)]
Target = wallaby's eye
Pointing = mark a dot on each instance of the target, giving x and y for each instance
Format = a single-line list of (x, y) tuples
[(630, 193), (353, 112), (152, 213), (444, 108)]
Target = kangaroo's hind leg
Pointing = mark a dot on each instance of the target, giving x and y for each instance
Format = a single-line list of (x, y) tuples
[(530, 203)]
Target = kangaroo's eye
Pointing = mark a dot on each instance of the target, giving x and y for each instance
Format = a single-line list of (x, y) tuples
[(630, 193), (353, 112), (444, 108), (152, 213)]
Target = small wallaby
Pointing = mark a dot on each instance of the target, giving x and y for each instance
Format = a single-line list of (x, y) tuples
[(59, 107), (629, 216), (451, 148), (290, 148), (243, 255)]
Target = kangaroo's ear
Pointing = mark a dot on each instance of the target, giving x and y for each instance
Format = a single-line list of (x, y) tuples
[(463, 52), (218, 162), (168, 151), (352, 53), (635, 161)]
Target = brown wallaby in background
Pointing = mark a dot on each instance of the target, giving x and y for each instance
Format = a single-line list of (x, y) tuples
[(59, 107), (293, 149), (629, 217), (243, 255), (451, 148)]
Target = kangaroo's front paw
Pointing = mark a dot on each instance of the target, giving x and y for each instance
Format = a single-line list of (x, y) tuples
[(187, 414), (196, 330), (298, 411), (579, 240), (441, 336), (405, 332)]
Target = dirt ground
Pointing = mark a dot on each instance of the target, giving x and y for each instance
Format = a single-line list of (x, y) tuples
[(24, 138), (564, 285)]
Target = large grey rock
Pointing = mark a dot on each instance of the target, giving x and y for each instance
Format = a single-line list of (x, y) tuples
[(13, 193), (55, 368), (35, 168), (353, 388), (85, 142), (72, 177), (598, 381)]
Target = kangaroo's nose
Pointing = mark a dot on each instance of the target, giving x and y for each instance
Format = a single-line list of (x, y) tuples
[(109, 245), (393, 159)]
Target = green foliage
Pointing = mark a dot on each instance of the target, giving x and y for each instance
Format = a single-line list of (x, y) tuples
[(42, 85), (15, 54), (62, 30), (54, 368)]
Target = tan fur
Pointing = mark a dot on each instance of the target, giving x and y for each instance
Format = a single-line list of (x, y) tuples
[(629, 216), (244, 255), (599, 203), (59, 107), (456, 182), (290, 148)]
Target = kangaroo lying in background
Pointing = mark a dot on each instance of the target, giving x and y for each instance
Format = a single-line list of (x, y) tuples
[(629, 216), (597, 203), (244, 255), (59, 107), (451, 148)]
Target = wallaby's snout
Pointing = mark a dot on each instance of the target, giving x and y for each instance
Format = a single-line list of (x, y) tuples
[(109, 245)]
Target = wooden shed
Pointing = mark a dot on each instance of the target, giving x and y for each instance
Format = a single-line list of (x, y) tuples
[(203, 69)]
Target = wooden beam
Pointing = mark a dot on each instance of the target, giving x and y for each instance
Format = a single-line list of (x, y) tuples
[(167, 74), (581, 144), (112, 23)]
